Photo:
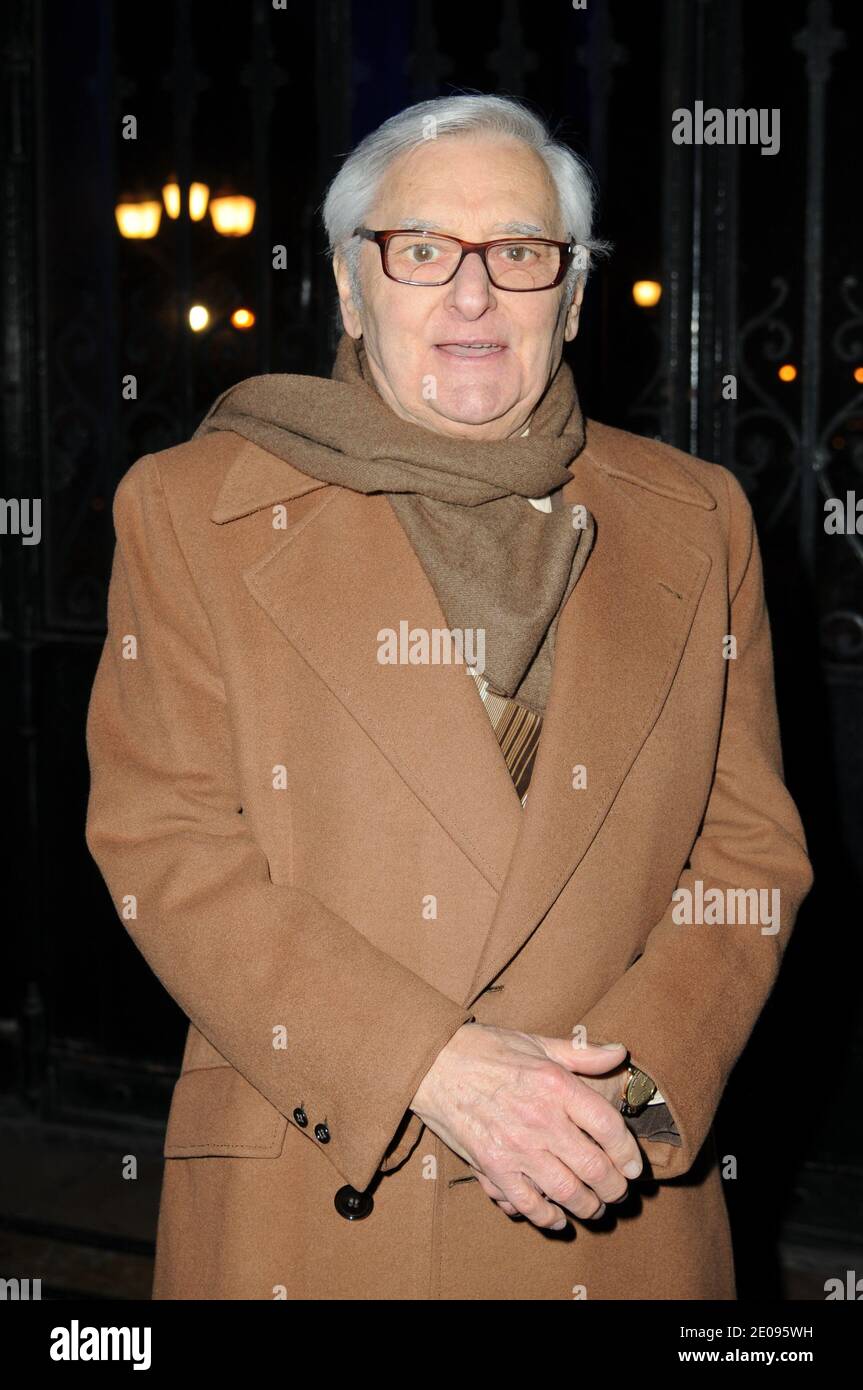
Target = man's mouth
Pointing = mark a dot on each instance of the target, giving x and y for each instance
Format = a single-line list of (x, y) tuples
[(457, 349)]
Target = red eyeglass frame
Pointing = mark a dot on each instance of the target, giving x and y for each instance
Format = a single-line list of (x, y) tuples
[(567, 251)]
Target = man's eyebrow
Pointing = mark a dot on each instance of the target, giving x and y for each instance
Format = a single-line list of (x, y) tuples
[(519, 228), (421, 224), (418, 224)]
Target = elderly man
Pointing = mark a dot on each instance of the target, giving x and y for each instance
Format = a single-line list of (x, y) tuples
[(436, 773)]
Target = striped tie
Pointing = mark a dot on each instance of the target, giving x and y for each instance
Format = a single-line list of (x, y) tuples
[(517, 729)]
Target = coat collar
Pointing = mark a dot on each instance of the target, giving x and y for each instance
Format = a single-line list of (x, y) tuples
[(620, 639), (257, 479)]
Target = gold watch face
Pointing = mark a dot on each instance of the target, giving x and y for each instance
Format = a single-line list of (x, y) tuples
[(640, 1089)]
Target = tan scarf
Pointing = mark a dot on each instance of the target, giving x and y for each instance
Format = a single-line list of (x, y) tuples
[(494, 561)]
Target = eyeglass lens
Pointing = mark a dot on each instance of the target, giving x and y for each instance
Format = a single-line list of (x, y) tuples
[(431, 260)]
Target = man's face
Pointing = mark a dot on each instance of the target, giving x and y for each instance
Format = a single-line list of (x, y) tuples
[(476, 188)]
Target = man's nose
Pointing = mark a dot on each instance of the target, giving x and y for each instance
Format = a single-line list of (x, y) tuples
[(471, 286)]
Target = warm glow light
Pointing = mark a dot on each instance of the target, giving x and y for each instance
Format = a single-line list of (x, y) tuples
[(138, 221), (242, 318), (787, 372), (646, 293), (233, 215), (199, 196), (171, 199), (858, 374), (198, 318)]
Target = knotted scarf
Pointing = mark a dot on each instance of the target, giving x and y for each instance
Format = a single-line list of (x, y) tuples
[(496, 563)]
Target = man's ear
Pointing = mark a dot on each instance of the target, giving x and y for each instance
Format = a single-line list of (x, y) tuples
[(572, 316), (350, 316)]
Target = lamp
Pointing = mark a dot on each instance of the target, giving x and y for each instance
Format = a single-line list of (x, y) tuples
[(233, 214), (646, 293), (199, 196), (139, 221)]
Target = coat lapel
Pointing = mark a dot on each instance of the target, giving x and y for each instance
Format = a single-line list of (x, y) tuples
[(337, 577), (346, 570), (619, 643)]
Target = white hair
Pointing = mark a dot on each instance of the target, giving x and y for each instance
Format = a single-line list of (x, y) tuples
[(355, 187)]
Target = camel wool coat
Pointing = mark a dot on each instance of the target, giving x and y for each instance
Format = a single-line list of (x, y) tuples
[(325, 861)]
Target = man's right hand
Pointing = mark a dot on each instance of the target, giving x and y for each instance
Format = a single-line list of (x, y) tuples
[(528, 1124)]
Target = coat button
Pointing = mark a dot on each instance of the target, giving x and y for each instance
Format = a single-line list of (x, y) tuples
[(301, 1117), (353, 1205), (322, 1134)]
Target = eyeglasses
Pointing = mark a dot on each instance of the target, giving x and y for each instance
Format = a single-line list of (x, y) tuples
[(518, 264)]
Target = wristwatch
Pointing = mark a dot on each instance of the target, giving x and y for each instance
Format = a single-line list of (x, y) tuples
[(638, 1090)]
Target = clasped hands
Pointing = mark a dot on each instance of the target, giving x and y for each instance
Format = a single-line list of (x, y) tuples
[(536, 1118)]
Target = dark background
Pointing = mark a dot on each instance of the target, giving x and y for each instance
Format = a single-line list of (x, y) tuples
[(759, 258)]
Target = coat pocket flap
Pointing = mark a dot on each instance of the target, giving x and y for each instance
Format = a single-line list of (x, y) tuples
[(214, 1110)]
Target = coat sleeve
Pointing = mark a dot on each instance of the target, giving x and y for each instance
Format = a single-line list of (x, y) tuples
[(241, 955), (688, 1005)]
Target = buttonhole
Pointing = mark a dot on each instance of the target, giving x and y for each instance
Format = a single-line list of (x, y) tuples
[(669, 589)]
